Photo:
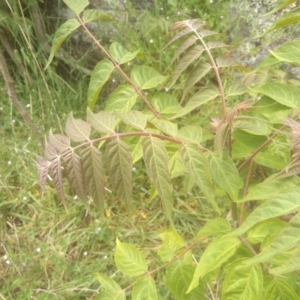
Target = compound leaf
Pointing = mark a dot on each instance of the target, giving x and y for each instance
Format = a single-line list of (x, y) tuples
[(59, 141)]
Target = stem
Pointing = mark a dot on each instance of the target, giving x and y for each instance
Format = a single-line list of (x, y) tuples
[(139, 133), (117, 66)]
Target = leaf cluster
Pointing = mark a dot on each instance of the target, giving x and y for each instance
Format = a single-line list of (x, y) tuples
[(245, 160)]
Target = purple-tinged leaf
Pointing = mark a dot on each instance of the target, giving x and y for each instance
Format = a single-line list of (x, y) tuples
[(60, 142), (77, 130), (75, 174), (43, 167), (94, 175)]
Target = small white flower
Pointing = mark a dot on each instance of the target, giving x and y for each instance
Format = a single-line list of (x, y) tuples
[(211, 1), (75, 197), (128, 64), (113, 80), (38, 250), (167, 18), (105, 257), (85, 253), (97, 230), (13, 121), (5, 257), (1, 108), (161, 8), (24, 198), (133, 169), (166, 89), (151, 41), (9, 162), (221, 17), (29, 138), (7, 262), (28, 105)]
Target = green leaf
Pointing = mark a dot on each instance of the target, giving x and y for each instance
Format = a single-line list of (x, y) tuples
[(134, 118), (121, 99), (146, 77), (282, 4), (165, 104), (60, 35), (91, 15), (165, 126), (156, 160), (273, 160), (214, 227), (112, 290), (178, 277), (196, 75), (144, 289), (217, 253), (99, 77), (129, 260), (270, 188), (94, 175), (285, 240), (235, 89), (245, 143), (282, 93), (279, 289), (242, 282), (77, 5), (172, 242), (176, 166), (260, 231), (102, 121), (203, 96), (77, 130), (189, 57), (286, 20), (190, 134), (225, 174), (120, 54), (198, 168), (278, 206), (292, 264), (119, 167), (288, 52)]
